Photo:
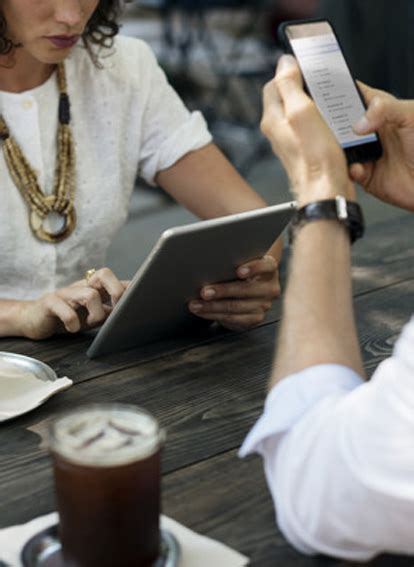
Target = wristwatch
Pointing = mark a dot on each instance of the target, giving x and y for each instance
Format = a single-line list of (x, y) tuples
[(346, 212)]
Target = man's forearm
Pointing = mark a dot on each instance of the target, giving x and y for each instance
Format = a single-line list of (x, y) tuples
[(318, 324)]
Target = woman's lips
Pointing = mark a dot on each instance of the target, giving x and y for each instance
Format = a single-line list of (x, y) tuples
[(63, 41)]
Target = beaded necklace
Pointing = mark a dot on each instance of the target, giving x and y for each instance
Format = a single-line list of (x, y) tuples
[(24, 177)]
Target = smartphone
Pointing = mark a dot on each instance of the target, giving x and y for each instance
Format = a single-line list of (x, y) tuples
[(329, 82)]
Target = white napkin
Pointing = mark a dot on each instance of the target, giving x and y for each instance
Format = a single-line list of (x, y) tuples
[(196, 550), (21, 401)]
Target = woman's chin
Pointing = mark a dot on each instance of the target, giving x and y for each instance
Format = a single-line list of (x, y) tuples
[(55, 57), (50, 55)]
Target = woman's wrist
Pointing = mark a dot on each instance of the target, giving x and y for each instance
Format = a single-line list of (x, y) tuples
[(12, 318)]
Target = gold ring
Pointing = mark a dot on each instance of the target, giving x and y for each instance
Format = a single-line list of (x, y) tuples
[(89, 274)]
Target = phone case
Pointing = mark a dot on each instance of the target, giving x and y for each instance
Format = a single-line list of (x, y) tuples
[(365, 152)]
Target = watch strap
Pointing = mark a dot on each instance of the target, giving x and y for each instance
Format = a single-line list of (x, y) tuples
[(339, 209)]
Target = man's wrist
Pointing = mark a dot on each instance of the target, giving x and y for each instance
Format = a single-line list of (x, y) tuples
[(324, 188), (346, 213)]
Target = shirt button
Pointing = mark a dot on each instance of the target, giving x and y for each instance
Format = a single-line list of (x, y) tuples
[(27, 104)]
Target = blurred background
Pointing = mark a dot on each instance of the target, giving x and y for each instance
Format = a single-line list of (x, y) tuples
[(218, 54)]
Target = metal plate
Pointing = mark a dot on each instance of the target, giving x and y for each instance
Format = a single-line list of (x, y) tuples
[(27, 386), (44, 550), (40, 369)]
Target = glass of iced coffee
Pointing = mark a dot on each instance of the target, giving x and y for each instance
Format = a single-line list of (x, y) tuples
[(107, 476)]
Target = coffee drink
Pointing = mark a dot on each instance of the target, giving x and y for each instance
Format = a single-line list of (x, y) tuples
[(107, 477)]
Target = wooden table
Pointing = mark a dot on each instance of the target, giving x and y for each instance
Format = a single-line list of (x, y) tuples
[(207, 391)]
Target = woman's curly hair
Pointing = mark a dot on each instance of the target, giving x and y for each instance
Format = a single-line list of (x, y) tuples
[(100, 30)]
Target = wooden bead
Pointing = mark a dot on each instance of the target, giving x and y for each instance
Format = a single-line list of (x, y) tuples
[(25, 179), (64, 109)]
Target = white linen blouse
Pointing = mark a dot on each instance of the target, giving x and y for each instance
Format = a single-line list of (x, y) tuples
[(126, 118)]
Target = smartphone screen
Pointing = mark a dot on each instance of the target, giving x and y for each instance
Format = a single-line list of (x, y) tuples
[(331, 85)]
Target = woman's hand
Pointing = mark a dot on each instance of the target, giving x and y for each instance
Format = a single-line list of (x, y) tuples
[(391, 178), (307, 148), (242, 303), (82, 305)]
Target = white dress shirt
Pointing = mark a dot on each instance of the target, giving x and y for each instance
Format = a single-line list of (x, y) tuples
[(125, 119), (339, 456)]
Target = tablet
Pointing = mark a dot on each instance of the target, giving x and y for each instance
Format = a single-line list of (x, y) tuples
[(184, 259)]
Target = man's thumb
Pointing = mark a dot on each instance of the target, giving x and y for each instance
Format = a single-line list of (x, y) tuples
[(383, 108)]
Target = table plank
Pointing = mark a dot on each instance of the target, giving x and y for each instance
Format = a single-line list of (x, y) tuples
[(385, 255)]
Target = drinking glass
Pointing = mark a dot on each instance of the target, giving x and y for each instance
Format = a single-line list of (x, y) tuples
[(106, 461)]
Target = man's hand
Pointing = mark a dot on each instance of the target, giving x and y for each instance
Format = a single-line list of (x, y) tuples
[(317, 325), (242, 303), (306, 146), (391, 178), (77, 307)]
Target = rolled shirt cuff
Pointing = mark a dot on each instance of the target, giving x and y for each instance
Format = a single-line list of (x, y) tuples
[(192, 135), (293, 397)]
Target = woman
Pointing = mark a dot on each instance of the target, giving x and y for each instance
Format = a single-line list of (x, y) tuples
[(81, 111)]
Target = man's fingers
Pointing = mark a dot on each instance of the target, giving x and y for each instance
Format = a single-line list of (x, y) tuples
[(373, 119), (272, 103), (273, 113), (288, 76), (310, 132), (382, 108), (361, 173), (290, 86), (368, 92)]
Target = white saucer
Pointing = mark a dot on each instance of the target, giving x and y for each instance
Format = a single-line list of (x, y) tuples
[(25, 384)]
